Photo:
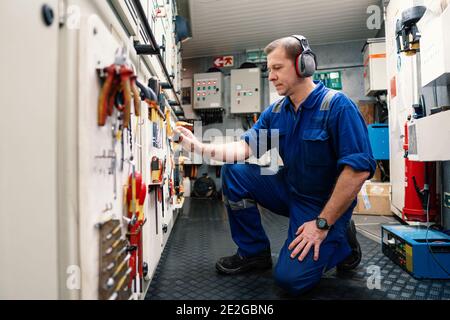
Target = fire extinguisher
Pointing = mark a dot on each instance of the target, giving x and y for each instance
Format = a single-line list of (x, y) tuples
[(420, 188)]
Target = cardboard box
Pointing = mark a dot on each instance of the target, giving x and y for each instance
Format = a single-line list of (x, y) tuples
[(374, 199), (367, 109), (377, 175)]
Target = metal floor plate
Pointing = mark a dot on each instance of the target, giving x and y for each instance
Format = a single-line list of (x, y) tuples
[(201, 235)]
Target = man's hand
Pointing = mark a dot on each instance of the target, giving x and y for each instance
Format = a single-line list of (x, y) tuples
[(308, 235), (187, 140)]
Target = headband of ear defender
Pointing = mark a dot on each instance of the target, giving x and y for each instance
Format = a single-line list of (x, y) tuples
[(306, 61)]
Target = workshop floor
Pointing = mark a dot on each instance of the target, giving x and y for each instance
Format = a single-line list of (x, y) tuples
[(201, 235)]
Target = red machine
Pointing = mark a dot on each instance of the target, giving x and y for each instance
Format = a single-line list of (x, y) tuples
[(420, 188)]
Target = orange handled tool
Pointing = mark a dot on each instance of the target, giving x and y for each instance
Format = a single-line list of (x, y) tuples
[(105, 93), (125, 83), (136, 194)]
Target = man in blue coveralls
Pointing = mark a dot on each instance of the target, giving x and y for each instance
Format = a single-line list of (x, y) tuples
[(326, 153)]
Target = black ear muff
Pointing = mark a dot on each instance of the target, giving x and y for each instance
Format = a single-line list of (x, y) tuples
[(308, 64), (305, 63)]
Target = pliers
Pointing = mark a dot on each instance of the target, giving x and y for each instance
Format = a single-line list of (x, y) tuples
[(117, 90)]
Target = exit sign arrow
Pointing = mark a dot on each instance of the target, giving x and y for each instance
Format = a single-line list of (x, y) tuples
[(218, 62), (226, 61)]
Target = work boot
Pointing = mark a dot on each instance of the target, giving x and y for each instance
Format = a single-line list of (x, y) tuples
[(236, 264), (353, 260)]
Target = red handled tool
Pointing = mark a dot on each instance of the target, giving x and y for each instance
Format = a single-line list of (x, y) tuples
[(136, 194), (118, 89)]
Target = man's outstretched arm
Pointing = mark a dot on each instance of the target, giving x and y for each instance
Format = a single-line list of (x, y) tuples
[(228, 152)]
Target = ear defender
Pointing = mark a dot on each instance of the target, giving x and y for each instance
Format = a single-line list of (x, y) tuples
[(306, 61)]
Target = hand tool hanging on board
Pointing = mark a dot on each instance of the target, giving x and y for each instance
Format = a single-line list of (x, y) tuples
[(155, 114), (161, 131), (171, 191), (125, 89), (156, 174), (154, 119), (156, 170), (177, 179), (170, 178), (182, 169), (136, 193), (142, 221), (159, 117), (169, 130), (117, 90), (178, 174), (164, 179), (161, 197), (132, 215), (149, 96), (103, 101), (161, 125), (169, 136), (155, 85)]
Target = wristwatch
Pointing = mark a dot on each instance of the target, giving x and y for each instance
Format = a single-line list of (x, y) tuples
[(322, 224)]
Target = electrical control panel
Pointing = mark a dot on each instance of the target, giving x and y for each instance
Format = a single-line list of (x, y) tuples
[(208, 90), (425, 254), (92, 245), (246, 90)]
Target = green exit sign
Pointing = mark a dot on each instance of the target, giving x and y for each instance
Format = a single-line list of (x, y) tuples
[(256, 56), (331, 79), (447, 199)]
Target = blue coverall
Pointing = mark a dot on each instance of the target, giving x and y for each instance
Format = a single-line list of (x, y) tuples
[(315, 143)]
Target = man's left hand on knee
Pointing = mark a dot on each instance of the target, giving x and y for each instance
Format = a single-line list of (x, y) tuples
[(308, 236)]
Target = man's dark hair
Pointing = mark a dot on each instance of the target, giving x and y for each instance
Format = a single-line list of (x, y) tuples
[(291, 46)]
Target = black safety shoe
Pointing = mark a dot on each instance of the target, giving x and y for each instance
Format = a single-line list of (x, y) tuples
[(236, 264), (353, 260)]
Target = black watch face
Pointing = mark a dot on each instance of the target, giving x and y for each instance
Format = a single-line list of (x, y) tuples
[(322, 223)]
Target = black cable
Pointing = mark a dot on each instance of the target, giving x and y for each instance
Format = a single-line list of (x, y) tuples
[(244, 124), (435, 94), (383, 114), (383, 171), (249, 123), (424, 106)]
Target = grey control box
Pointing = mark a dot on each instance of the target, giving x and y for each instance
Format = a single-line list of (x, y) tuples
[(246, 90), (208, 90)]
